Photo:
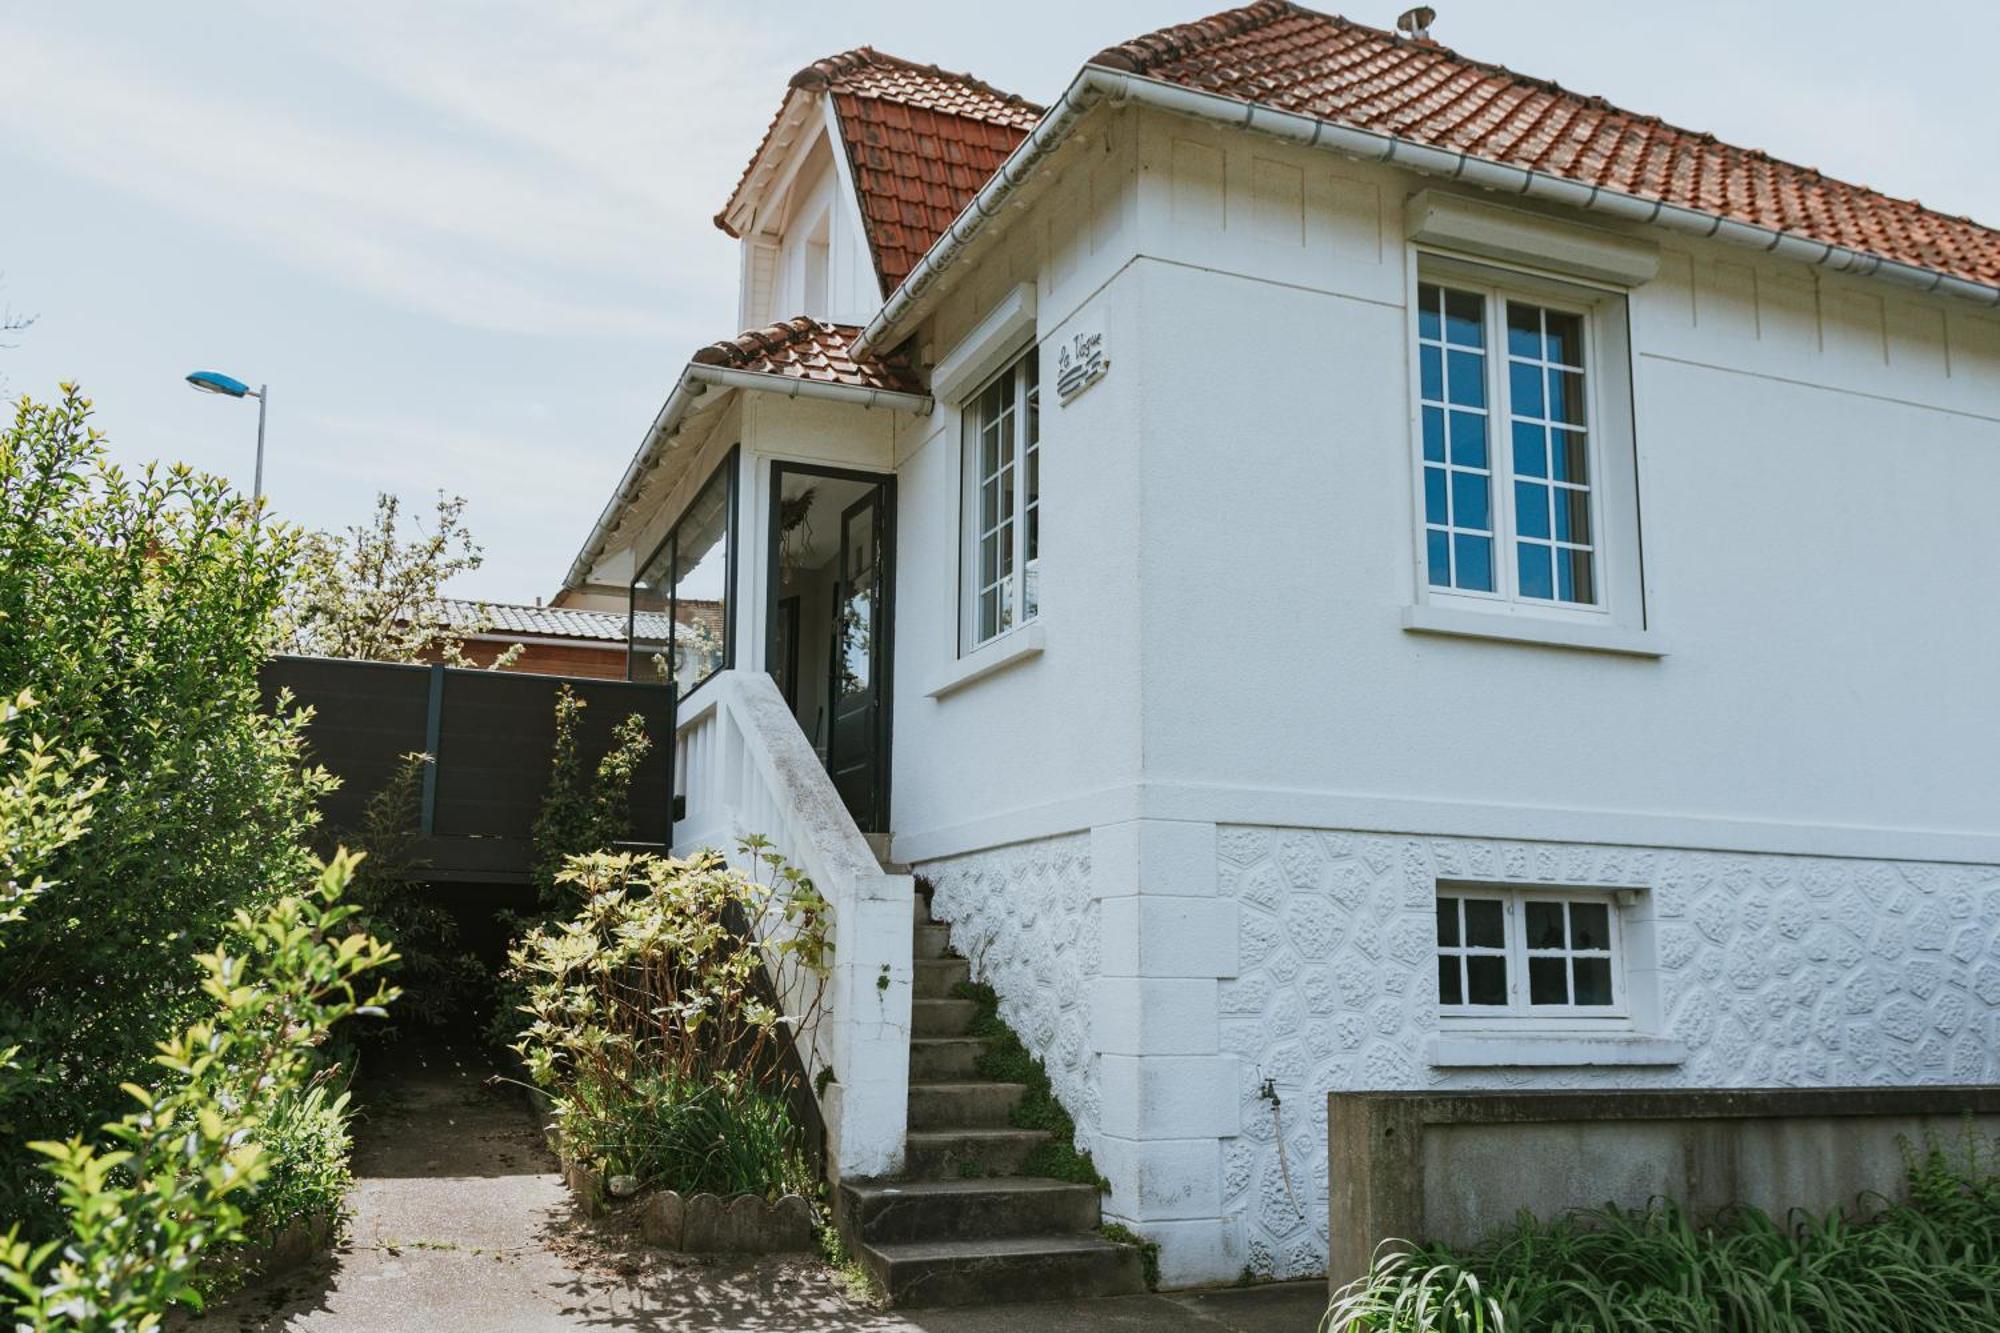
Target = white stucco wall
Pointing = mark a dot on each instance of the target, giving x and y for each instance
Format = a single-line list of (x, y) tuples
[(1774, 971), (1025, 918), (1799, 787)]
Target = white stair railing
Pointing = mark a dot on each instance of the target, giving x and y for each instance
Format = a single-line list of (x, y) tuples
[(745, 768)]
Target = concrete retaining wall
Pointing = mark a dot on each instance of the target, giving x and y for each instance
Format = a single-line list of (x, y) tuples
[(1454, 1168)]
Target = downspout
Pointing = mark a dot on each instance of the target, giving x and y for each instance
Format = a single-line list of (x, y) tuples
[(696, 380), (1095, 84)]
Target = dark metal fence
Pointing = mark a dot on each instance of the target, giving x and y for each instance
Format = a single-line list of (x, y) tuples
[(490, 734)]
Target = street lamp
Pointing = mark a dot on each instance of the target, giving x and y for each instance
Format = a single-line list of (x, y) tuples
[(211, 381)]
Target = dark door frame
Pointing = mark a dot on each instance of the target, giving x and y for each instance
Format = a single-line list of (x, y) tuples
[(886, 483)]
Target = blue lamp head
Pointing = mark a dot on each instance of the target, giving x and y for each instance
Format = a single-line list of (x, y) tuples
[(212, 381)]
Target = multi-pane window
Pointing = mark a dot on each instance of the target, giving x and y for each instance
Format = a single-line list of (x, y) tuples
[(680, 627), (1504, 422), (1003, 456), (1527, 954)]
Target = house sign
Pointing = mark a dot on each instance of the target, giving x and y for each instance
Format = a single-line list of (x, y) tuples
[(1080, 363)]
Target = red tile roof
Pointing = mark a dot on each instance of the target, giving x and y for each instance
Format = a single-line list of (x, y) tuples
[(921, 141), (808, 349), (1313, 64)]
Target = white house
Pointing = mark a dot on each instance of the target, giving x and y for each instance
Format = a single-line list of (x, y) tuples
[(1347, 568)]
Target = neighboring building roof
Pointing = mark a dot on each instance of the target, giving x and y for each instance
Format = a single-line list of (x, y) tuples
[(809, 349), (920, 140), (501, 619), (1298, 60)]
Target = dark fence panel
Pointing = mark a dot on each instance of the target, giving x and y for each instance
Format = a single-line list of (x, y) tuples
[(491, 734)]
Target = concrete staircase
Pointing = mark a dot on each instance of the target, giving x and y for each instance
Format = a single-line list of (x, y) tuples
[(963, 1226)]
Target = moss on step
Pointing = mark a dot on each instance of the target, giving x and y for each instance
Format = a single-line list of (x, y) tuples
[(1006, 1060), (1149, 1250)]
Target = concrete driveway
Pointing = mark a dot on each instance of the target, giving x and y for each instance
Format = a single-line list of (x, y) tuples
[(461, 1225)]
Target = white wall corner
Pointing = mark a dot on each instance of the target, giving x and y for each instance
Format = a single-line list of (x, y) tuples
[(1198, 1253), (1170, 857), (1160, 1180)]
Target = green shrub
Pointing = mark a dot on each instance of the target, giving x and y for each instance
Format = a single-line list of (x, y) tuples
[(442, 984), (137, 607), (1930, 1264), (174, 1181), (722, 1135), (307, 1141), (656, 1023)]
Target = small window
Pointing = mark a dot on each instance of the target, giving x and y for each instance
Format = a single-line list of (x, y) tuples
[(1528, 497), (1002, 523), (1528, 954)]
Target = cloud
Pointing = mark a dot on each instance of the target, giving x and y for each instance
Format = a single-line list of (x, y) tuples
[(533, 226)]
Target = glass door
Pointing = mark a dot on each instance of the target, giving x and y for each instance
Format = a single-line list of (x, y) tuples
[(855, 743)]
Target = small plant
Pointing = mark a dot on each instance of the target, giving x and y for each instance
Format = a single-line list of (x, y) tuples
[(1006, 1060), (1149, 1250), (656, 1018)]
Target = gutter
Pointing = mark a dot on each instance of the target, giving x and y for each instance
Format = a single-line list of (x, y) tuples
[(1096, 83), (695, 381)]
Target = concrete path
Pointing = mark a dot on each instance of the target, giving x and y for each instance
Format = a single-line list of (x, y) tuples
[(462, 1225)]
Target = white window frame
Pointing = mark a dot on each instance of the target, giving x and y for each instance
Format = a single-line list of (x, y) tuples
[(1614, 498), (1024, 579), (1518, 1014)]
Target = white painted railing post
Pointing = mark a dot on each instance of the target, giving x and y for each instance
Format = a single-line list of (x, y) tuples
[(749, 769)]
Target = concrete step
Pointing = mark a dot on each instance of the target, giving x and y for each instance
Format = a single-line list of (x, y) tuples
[(963, 1105), (941, 1018), (980, 1272), (936, 976), (920, 912), (968, 1154), (917, 1211), (931, 941), (944, 1059)]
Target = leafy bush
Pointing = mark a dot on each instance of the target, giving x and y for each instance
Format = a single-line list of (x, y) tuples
[(441, 982), (1930, 1264), (307, 1141), (136, 606), (583, 811), (654, 1019), (136, 1217)]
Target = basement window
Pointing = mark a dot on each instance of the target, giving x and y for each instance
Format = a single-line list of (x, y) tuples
[(1513, 954)]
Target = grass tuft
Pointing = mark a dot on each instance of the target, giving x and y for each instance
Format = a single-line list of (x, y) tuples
[(1006, 1060)]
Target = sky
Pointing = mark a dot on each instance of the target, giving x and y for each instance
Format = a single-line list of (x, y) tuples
[(468, 243)]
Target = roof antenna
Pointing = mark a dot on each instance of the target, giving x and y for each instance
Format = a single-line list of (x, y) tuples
[(1417, 22)]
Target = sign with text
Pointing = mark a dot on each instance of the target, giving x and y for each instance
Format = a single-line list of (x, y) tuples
[(1080, 363)]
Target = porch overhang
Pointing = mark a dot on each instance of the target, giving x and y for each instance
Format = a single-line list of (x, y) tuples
[(702, 387)]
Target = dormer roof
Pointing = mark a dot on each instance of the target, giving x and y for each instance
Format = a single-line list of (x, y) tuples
[(920, 141)]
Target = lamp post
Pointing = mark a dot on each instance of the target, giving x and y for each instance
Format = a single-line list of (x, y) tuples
[(211, 381)]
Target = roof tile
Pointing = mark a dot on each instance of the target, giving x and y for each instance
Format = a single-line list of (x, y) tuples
[(808, 349), (1298, 60), (921, 141)]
